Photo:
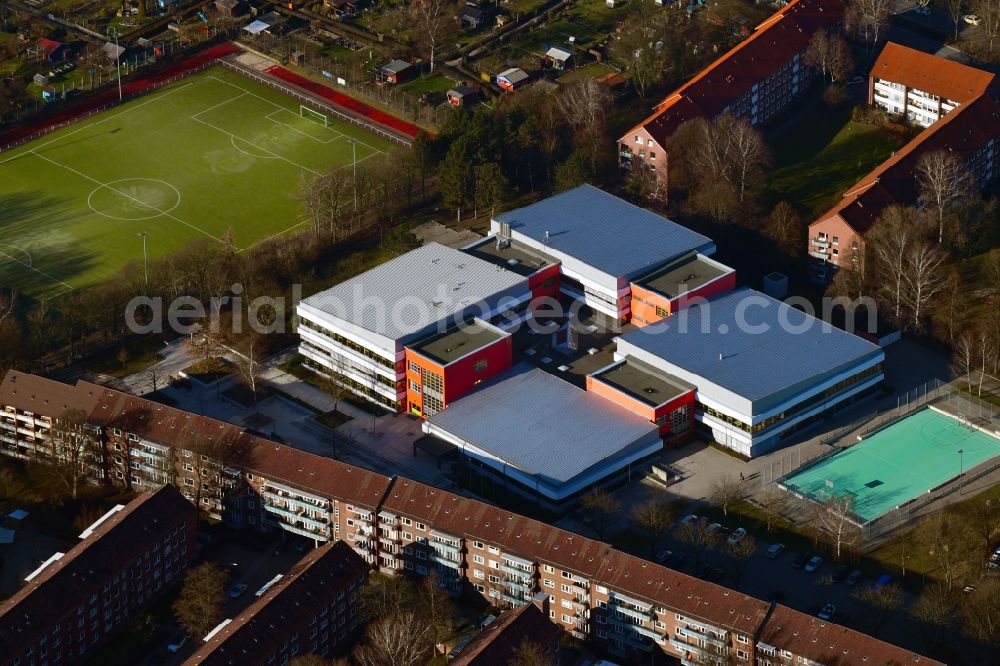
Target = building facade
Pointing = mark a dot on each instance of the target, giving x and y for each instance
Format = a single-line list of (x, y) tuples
[(76, 601)]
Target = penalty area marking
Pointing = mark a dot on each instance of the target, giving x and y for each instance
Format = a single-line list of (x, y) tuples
[(29, 265)]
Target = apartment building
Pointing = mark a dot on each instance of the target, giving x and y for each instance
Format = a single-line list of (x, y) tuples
[(763, 369), (961, 116), (357, 332), (499, 642), (317, 608), (755, 80), (76, 601), (412, 528), (922, 87)]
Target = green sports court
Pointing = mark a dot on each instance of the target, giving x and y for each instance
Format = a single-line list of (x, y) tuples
[(210, 153), (897, 463)]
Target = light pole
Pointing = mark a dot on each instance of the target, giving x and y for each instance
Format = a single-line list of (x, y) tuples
[(118, 61), (354, 166), (145, 263)]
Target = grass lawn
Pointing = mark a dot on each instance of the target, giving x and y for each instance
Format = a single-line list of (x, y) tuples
[(210, 154), (425, 84), (823, 155)]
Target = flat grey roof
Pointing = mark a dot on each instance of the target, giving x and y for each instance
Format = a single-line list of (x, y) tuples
[(751, 344), (542, 424), (406, 294), (682, 276), (516, 257), (603, 231), (458, 342), (642, 382)]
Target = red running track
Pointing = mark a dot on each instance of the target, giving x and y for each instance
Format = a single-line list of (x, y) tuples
[(349, 103), (130, 89)]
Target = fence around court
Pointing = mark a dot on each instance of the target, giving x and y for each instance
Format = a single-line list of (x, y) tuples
[(314, 103)]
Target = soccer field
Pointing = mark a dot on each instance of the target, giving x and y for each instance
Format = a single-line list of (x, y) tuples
[(209, 153)]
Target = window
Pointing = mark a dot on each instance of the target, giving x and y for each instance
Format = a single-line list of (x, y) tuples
[(638, 139), (414, 386), (548, 583), (421, 526), (407, 521), (478, 559), (548, 568), (480, 365), (567, 589), (741, 639), (479, 574), (566, 603), (566, 618), (836, 240), (478, 544), (414, 367), (652, 155), (742, 654)]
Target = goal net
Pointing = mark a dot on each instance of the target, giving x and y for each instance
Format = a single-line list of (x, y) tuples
[(322, 119)]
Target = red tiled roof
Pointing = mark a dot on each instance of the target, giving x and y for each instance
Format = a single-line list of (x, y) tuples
[(497, 644), (659, 585), (929, 73), (963, 131), (832, 644), (772, 44), (262, 629), (517, 535), (39, 395), (70, 581)]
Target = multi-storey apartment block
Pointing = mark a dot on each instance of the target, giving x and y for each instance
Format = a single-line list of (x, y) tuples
[(755, 80), (404, 527), (958, 106), (75, 601), (317, 608), (498, 643), (922, 87)]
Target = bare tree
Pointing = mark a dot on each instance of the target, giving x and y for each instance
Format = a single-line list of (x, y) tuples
[(982, 516), (699, 537), (198, 609), (989, 12), (432, 19), (867, 18), (991, 271), (956, 9), (747, 151), (396, 640), (785, 229), (835, 518), (436, 606), (725, 490), (830, 55), (946, 546), (583, 103), (935, 606), (963, 356), (529, 653), (741, 552), (986, 352), (924, 279), (639, 46), (981, 613), (602, 505), (653, 516), (75, 451), (248, 353), (881, 600), (889, 245), (943, 181), (771, 502)]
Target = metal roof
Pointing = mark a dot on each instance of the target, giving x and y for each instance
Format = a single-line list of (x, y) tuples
[(543, 425), (603, 231), (406, 294), (514, 75), (751, 344)]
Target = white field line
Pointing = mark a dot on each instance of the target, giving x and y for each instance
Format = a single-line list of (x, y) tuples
[(37, 270), (273, 154)]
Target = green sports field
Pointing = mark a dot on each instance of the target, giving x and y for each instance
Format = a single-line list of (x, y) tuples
[(898, 463), (209, 153)]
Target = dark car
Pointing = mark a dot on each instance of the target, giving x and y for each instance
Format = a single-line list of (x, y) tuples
[(800, 560), (838, 573)]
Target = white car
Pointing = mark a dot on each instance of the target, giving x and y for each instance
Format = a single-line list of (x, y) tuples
[(736, 536), (972, 19), (714, 527), (814, 563), (827, 612), (688, 519), (177, 643)]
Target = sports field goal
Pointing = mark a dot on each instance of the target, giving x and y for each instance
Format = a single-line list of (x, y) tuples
[(311, 114)]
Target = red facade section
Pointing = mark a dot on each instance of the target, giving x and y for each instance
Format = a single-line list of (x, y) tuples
[(662, 415), (649, 307), (456, 378)]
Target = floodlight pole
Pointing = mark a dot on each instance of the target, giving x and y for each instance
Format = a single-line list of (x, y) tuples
[(145, 263), (354, 166), (118, 61)]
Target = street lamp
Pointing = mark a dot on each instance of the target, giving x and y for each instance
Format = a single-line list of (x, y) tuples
[(145, 263)]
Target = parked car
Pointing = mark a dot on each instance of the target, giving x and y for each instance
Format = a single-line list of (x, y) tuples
[(855, 80), (688, 519), (664, 556), (838, 573), (854, 577), (177, 642), (881, 582), (736, 536), (972, 19), (814, 563), (775, 550), (923, 11), (237, 590), (969, 589), (827, 612), (800, 560), (714, 527)]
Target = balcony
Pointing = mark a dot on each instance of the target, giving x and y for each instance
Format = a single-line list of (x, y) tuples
[(512, 599), (295, 515), (703, 653), (820, 242), (444, 561), (643, 616), (516, 571), (322, 535), (704, 633), (632, 641), (446, 546)]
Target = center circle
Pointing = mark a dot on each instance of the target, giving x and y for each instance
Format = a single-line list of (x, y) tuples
[(134, 199)]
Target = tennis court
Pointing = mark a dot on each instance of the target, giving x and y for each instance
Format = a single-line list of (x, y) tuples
[(897, 464), (209, 156)]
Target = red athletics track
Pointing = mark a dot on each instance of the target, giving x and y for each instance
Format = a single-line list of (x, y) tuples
[(132, 88), (349, 103)]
